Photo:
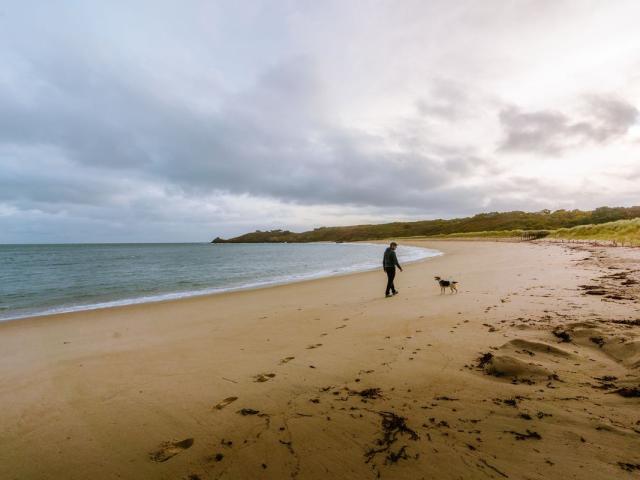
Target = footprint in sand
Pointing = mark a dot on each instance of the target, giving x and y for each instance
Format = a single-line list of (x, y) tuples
[(315, 345), (286, 360), (170, 449), (225, 402), (263, 377)]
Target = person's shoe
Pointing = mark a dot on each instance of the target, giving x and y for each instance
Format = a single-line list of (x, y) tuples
[(395, 293), (388, 295)]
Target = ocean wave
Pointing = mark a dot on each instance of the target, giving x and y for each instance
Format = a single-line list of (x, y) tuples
[(407, 254)]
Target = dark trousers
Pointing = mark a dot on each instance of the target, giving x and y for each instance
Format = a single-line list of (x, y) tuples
[(391, 274)]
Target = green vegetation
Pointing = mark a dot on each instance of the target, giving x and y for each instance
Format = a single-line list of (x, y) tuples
[(521, 234), (624, 232), (489, 234), (494, 224)]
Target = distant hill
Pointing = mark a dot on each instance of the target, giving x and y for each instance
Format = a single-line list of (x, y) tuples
[(493, 221)]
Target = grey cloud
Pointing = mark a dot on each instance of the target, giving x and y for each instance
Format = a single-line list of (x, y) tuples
[(273, 140), (552, 132), (615, 116), (448, 100), (127, 114)]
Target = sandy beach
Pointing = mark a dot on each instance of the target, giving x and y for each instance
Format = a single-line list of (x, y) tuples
[(530, 372)]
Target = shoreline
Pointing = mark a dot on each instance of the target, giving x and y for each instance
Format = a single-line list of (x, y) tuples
[(175, 296), (296, 380)]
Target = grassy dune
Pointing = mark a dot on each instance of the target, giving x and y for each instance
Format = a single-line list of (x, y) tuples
[(485, 234), (625, 232)]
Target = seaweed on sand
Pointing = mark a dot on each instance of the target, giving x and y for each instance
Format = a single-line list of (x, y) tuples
[(370, 393), (529, 435), (628, 392), (563, 335), (393, 426), (484, 359)]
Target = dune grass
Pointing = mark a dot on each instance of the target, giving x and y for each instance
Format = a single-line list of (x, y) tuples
[(484, 234), (622, 232), (625, 232)]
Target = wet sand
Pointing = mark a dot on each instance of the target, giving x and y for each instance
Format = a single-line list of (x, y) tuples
[(530, 372)]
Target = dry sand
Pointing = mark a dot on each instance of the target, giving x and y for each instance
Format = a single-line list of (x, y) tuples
[(522, 375)]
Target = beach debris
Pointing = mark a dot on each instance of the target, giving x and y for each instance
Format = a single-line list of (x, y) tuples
[(225, 402), (595, 292), (630, 323), (393, 426), (502, 474), (615, 296), (170, 449), (367, 393), (435, 423), (484, 359), (628, 392), (529, 435), (511, 402), (563, 335), (248, 411), (445, 398), (605, 382), (263, 377)]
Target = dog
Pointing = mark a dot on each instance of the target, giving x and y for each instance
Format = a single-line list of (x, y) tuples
[(447, 283)]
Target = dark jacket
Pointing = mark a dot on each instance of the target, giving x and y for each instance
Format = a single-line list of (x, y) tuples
[(389, 260)]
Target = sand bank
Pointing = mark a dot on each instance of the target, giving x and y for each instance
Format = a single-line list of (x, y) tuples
[(523, 374)]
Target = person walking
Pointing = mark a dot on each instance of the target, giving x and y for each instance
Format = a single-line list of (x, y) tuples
[(389, 264)]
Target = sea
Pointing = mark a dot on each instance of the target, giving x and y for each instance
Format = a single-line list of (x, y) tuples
[(45, 279)]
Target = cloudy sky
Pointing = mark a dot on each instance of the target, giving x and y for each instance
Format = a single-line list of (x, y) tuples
[(184, 120)]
